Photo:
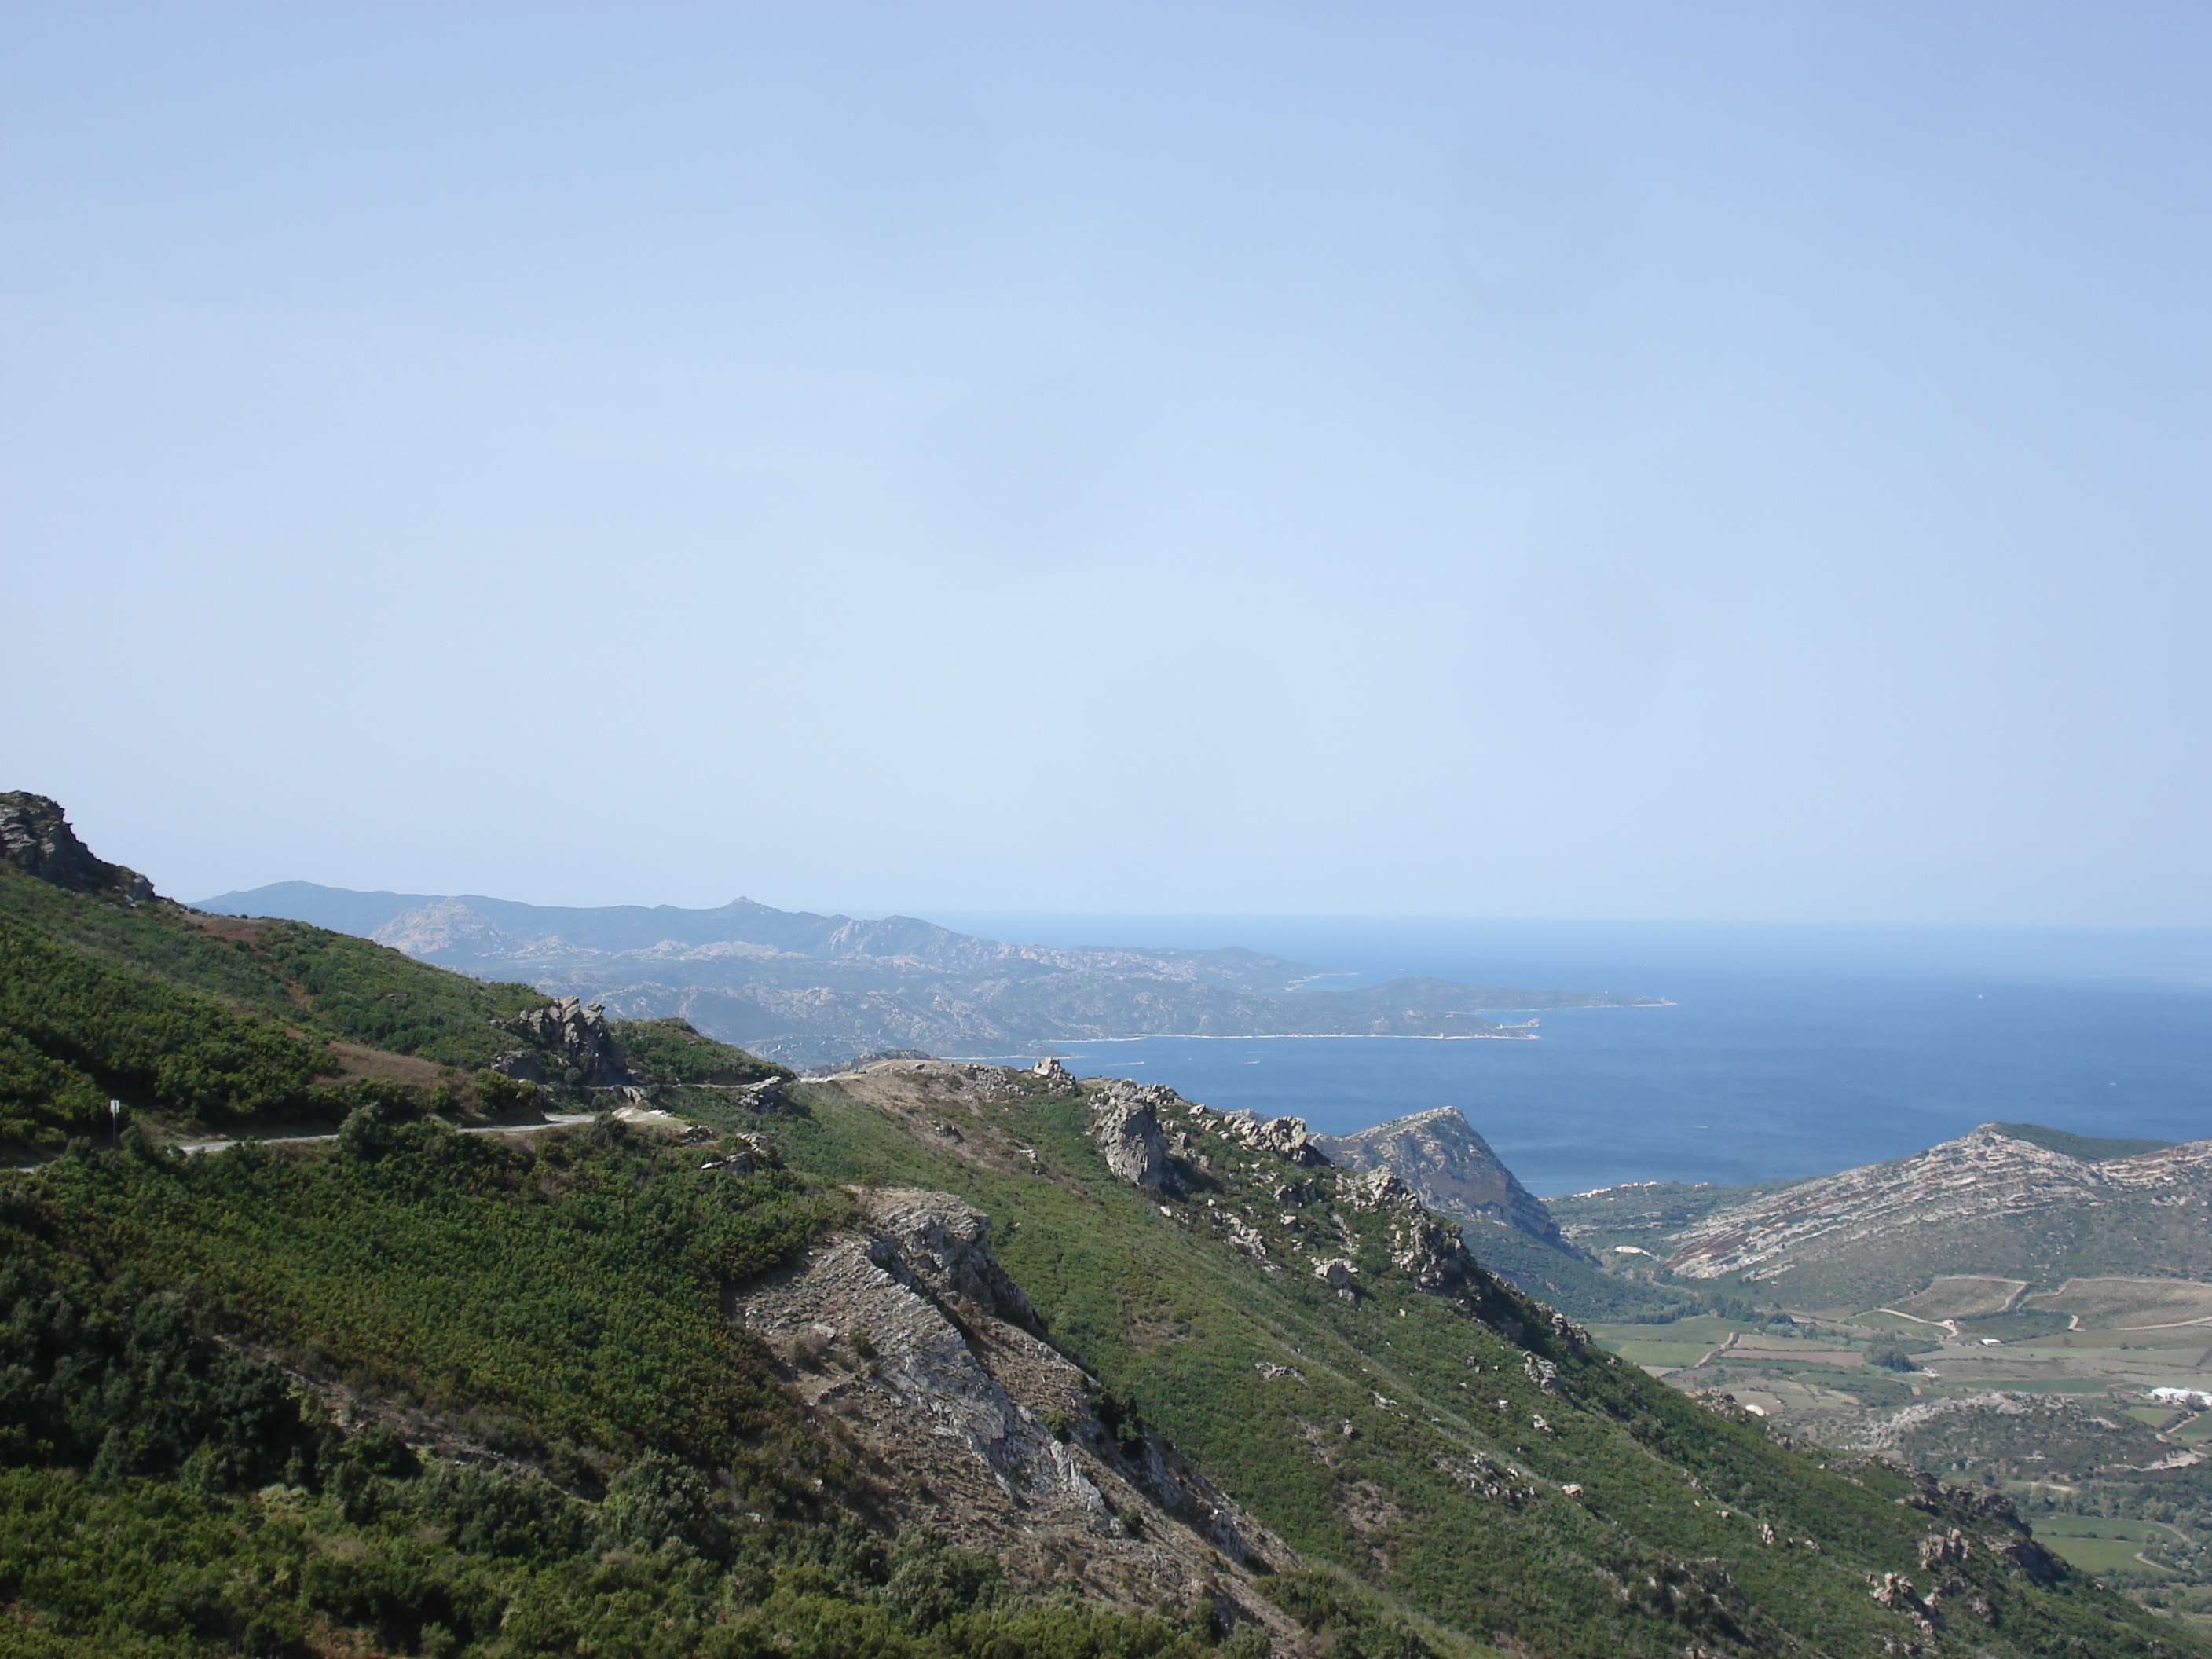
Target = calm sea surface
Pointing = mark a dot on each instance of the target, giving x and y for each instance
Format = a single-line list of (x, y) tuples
[(1789, 1052)]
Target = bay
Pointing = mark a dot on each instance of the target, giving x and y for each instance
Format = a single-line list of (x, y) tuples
[(1788, 1051)]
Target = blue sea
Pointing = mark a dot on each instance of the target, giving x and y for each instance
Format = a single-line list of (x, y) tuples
[(1789, 1052)]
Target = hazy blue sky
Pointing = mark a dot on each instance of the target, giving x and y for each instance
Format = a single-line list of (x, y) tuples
[(1639, 461)]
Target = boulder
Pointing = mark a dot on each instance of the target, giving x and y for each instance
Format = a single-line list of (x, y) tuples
[(570, 1037), (1125, 1122), (1055, 1077)]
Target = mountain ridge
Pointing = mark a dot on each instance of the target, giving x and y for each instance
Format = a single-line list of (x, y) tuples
[(808, 988), (1886, 1230)]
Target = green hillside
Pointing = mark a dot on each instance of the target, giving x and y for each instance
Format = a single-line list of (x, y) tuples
[(494, 1392), (1401, 1443), (202, 1023), (551, 1307)]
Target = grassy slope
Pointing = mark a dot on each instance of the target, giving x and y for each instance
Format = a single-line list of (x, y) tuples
[(1163, 1311)]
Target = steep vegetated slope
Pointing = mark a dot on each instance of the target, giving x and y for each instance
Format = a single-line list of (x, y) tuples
[(1328, 1353), (200, 1023), (431, 1393)]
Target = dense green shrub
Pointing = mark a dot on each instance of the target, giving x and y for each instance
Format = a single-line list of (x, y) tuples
[(117, 1379), (79, 1029), (173, 1493), (373, 994)]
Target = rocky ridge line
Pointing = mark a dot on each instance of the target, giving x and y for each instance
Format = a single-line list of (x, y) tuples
[(1982, 1176), (36, 838)]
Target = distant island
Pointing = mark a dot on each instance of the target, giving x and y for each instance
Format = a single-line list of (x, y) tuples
[(807, 989)]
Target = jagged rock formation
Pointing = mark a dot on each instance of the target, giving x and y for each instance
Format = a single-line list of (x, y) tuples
[(1056, 1078), (1439, 1155), (1125, 1122), (1422, 1245), (906, 1336), (1286, 1137), (565, 1037), (36, 838), (2008, 1205)]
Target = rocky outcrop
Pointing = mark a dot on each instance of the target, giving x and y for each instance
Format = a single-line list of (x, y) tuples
[(1286, 1137), (766, 1096), (1125, 1122), (1450, 1167), (1056, 1078), (36, 838), (906, 1333), (940, 1248), (1428, 1250), (744, 1155), (568, 1042)]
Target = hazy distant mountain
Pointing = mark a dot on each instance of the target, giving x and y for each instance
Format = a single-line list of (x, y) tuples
[(806, 989)]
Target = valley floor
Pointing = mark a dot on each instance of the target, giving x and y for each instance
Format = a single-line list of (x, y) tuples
[(2047, 1398)]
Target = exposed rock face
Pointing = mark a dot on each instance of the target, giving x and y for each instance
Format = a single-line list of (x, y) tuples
[(443, 929), (1428, 1249), (2004, 1203), (1450, 1167), (566, 1036), (909, 1333), (1055, 1077), (940, 1248), (1125, 1122), (36, 838), (766, 1096), (1286, 1137)]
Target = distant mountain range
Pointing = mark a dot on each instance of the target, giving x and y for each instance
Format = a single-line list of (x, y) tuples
[(806, 989)]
